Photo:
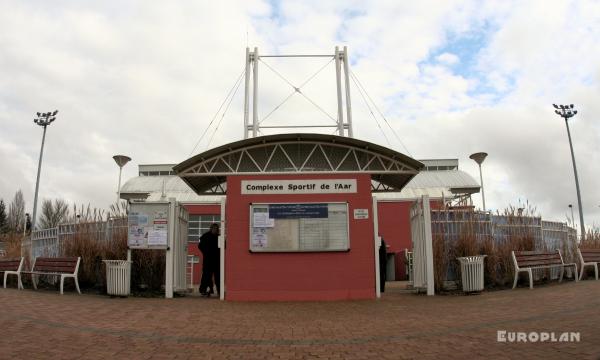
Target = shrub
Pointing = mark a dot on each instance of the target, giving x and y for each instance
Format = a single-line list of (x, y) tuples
[(464, 232), (148, 266)]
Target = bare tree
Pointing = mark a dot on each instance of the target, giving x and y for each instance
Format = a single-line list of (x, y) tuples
[(53, 213), (16, 213), (3, 218)]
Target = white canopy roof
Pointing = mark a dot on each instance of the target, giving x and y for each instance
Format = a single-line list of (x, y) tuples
[(435, 184)]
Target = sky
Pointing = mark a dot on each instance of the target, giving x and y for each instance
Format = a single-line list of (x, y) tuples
[(146, 79)]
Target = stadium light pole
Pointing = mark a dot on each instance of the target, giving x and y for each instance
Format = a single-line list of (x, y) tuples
[(43, 120), (478, 158), (121, 160), (566, 112)]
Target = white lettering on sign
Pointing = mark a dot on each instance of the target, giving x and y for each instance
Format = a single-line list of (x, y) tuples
[(255, 187), (361, 213)]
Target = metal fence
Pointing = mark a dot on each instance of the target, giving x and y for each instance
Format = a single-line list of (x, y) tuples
[(450, 225), (50, 242), (547, 235)]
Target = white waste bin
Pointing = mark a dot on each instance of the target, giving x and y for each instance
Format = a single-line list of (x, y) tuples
[(471, 268), (118, 277)]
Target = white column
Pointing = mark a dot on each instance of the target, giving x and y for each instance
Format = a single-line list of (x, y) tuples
[(347, 86), (428, 246), (338, 78), (377, 242), (119, 186), (222, 250), (255, 94), (169, 271), (246, 93)]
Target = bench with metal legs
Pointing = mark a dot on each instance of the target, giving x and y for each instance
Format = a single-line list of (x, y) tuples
[(66, 267), (12, 267), (526, 261), (589, 257)]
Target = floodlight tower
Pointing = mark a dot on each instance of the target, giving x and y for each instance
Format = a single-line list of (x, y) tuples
[(42, 120), (479, 157), (121, 160), (252, 127), (566, 112)]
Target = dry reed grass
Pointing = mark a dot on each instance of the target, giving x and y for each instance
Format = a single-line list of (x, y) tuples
[(12, 244), (591, 240), (148, 266), (473, 236)]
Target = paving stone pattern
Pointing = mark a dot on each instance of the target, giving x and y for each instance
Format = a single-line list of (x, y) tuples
[(43, 324)]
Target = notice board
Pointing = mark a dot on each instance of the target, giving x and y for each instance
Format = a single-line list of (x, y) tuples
[(148, 226), (291, 227)]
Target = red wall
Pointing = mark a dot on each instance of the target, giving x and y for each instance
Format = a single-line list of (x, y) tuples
[(394, 224), (298, 276), (394, 228), (200, 209)]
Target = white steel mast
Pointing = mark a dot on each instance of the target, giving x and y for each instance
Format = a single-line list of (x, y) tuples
[(343, 93)]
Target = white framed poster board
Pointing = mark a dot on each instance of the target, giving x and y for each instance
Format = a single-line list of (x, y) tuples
[(299, 227), (148, 226)]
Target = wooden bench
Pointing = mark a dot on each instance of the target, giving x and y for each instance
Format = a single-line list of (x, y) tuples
[(66, 267), (589, 257), (525, 261), (12, 267)]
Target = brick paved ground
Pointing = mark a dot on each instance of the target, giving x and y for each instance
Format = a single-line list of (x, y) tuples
[(43, 324)]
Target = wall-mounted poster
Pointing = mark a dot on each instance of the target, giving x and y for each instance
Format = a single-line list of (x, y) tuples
[(294, 227), (148, 226)]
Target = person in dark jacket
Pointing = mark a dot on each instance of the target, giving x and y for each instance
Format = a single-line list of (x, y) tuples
[(211, 260), (382, 265)]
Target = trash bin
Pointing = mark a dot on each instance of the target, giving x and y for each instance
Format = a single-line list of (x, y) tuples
[(118, 277), (471, 268)]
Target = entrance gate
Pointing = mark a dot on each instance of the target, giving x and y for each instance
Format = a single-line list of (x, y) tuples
[(420, 228)]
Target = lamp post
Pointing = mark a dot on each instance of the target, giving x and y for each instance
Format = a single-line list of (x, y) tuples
[(43, 120), (121, 160), (25, 221), (572, 216), (567, 111), (479, 157)]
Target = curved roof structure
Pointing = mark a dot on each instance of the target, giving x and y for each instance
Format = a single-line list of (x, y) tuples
[(436, 184), (294, 154), (155, 188)]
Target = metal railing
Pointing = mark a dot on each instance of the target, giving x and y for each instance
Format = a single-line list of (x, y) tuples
[(546, 235), (50, 242)]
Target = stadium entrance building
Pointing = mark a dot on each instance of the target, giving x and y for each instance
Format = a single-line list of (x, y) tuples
[(302, 215), (298, 216)]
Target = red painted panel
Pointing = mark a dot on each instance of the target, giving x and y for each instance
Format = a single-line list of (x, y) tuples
[(394, 227), (193, 250), (203, 209), (298, 276), (394, 224)]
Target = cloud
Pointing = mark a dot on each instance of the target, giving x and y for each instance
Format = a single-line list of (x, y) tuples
[(448, 59), (452, 78)]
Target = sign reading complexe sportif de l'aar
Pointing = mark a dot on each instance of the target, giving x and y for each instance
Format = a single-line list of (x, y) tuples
[(324, 186)]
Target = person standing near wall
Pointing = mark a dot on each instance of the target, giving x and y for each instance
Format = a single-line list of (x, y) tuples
[(382, 265), (211, 260)]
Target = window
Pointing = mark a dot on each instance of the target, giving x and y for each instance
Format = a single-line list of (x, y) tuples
[(199, 224)]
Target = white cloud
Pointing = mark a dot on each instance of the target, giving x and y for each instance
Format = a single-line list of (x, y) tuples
[(145, 80), (448, 59)]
